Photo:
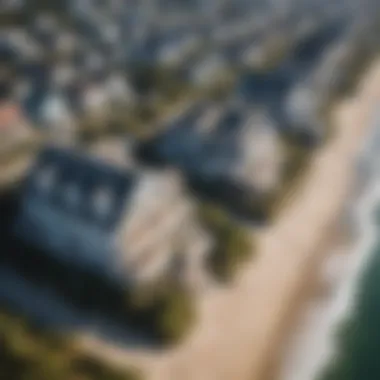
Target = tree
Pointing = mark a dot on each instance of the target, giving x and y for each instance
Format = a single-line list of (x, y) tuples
[(32, 354), (175, 315), (233, 244)]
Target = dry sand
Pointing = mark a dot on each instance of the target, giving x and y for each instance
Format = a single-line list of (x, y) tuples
[(240, 327)]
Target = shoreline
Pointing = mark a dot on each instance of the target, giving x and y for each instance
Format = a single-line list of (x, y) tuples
[(240, 328), (293, 317), (338, 301), (297, 340), (348, 112)]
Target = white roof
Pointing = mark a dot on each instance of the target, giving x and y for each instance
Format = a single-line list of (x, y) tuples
[(118, 88)]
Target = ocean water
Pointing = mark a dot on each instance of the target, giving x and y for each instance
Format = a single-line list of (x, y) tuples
[(357, 342), (355, 335), (336, 337)]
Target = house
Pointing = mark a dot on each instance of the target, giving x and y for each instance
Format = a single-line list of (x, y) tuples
[(45, 30), (244, 148), (12, 5), (63, 75), (144, 46), (119, 91), (330, 76), (94, 63), (17, 143), (114, 150), (177, 49), (253, 55), (261, 156), (23, 44), (208, 70), (303, 107), (124, 225), (300, 105), (56, 117), (14, 129), (179, 144), (95, 101), (229, 150), (66, 43), (266, 88), (110, 33)]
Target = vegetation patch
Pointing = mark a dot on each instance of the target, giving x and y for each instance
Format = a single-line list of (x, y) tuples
[(233, 245), (166, 308), (29, 353)]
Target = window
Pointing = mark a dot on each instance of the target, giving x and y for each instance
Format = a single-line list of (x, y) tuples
[(103, 202), (73, 195), (46, 178)]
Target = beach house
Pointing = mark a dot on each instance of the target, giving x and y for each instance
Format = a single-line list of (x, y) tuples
[(56, 117), (177, 48), (261, 159), (301, 105), (127, 226), (225, 150), (14, 128), (208, 70)]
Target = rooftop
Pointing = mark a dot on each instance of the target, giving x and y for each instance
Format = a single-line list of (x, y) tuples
[(82, 186)]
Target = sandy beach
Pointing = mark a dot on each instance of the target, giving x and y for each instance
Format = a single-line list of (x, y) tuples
[(241, 328), (312, 343)]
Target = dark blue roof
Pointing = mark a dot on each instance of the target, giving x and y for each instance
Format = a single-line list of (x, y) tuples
[(311, 48), (230, 121), (259, 87), (89, 176)]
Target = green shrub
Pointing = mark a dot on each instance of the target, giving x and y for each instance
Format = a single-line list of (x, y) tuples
[(175, 315), (28, 353), (233, 249), (233, 245), (164, 308), (86, 367)]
